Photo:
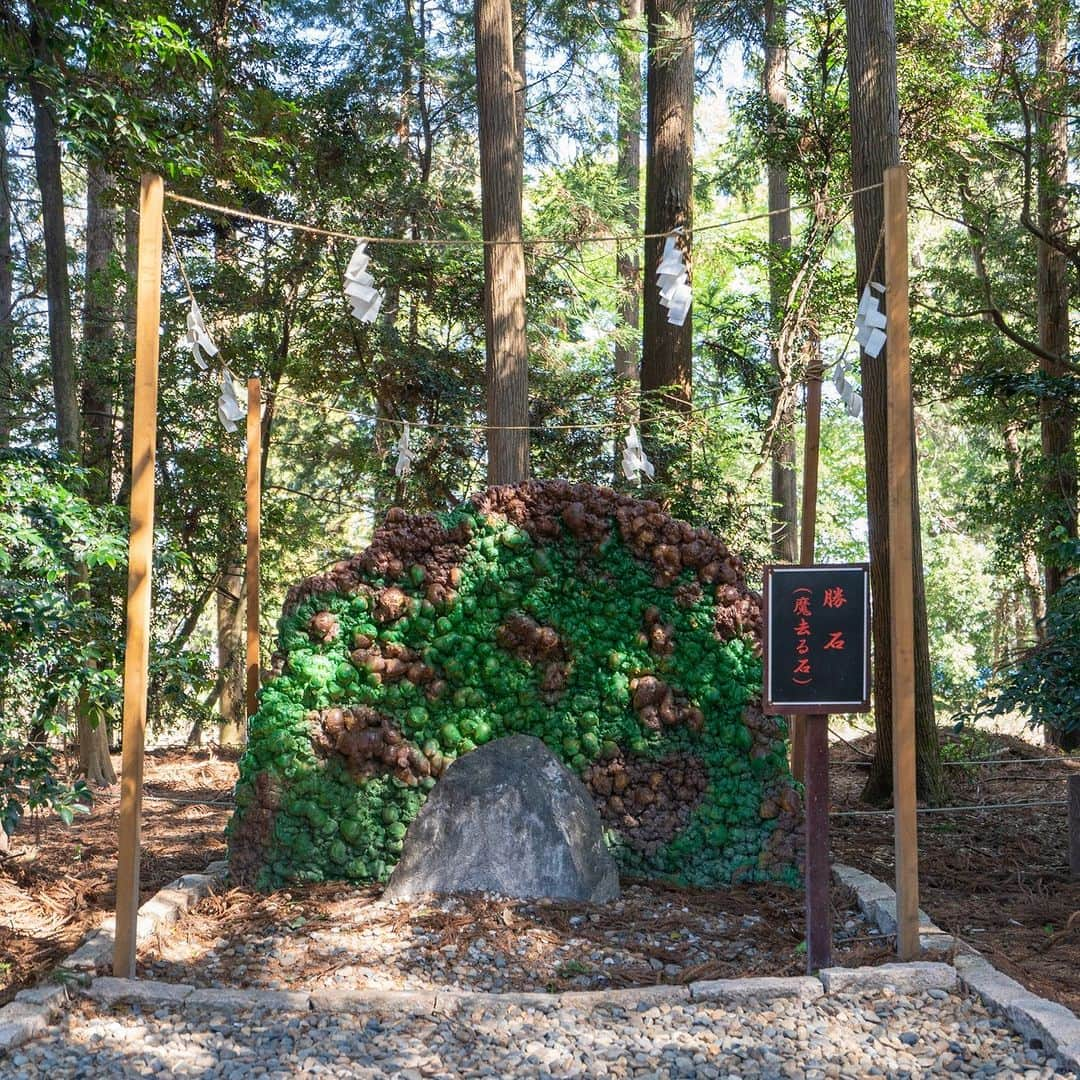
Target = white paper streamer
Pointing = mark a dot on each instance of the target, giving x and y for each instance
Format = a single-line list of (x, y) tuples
[(673, 282), (405, 456), (360, 289), (850, 396), (229, 406), (634, 461), (197, 339), (870, 321)]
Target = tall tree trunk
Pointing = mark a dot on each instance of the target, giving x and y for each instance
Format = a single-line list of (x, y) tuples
[(1057, 413), (57, 284), (666, 359), (628, 168), (99, 344), (231, 624), (230, 596), (7, 291), (875, 146), (520, 17), (124, 407), (504, 256), (1033, 585), (785, 540), (98, 376)]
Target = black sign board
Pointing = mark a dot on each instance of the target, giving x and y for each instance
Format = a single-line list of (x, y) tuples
[(817, 638)]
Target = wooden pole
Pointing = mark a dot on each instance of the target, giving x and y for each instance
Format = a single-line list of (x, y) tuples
[(901, 566), (140, 568), (254, 512), (810, 742), (1074, 827)]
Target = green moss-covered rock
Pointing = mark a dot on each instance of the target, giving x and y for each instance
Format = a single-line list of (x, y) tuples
[(624, 639)]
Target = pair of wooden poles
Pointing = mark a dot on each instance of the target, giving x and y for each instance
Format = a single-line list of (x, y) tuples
[(140, 565), (810, 734), (811, 739)]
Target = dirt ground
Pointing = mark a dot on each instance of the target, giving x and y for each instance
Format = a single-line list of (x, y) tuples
[(998, 879), (331, 936), (58, 883)]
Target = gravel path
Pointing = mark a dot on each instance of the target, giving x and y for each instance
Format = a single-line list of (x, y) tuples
[(879, 1034)]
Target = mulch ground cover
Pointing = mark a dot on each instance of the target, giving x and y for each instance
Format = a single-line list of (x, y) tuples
[(330, 936), (58, 883), (999, 879)]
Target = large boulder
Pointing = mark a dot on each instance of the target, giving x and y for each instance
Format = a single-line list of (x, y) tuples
[(508, 819)]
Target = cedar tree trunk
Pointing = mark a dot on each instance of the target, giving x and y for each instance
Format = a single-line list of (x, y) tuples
[(875, 146)]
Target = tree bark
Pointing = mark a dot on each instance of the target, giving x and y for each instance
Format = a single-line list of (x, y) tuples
[(99, 356), (519, 16), (57, 283), (666, 360), (7, 292), (785, 546), (1033, 585), (504, 256), (231, 624), (99, 344), (1057, 414), (628, 169), (875, 146)]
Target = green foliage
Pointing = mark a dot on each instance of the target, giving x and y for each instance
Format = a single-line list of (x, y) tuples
[(51, 636), (1045, 683), (329, 825)]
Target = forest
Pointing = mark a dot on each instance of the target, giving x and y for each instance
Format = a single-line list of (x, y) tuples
[(548, 150)]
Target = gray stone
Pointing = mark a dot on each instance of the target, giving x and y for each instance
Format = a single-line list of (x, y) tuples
[(631, 997), (764, 988), (342, 1002), (110, 991), (905, 978), (20, 1022), (509, 819), (227, 1000), (1052, 1024), (997, 991), (52, 997)]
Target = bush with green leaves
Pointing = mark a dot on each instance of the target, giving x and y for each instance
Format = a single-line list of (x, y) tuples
[(626, 640), (1044, 683), (51, 636)]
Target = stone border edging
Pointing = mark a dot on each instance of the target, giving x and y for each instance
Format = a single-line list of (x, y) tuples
[(33, 1010), (903, 978), (1038, 1020)]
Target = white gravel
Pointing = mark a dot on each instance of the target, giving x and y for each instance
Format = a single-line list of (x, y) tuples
[(879, 1034)]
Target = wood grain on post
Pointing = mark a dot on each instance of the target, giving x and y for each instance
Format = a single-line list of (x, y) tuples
[(140, 567), (901, 564), (1074, 826), (254, 516)]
